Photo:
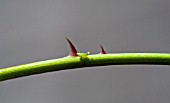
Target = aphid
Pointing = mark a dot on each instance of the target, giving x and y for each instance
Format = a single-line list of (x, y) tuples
[(102, 50), (73, 51)]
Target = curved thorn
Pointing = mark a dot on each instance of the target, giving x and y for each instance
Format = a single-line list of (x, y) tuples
[(73, 51), (102, 50)]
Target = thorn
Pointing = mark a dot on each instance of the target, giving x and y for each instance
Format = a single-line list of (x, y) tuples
[(73, 51), (103, 51)]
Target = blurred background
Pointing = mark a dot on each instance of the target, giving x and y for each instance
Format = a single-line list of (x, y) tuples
[(34, 30)]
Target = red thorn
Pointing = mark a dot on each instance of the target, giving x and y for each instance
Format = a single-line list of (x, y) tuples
[(103, 51), (73, 51)]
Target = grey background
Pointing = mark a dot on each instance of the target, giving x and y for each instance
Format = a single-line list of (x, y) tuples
[(33, 30)]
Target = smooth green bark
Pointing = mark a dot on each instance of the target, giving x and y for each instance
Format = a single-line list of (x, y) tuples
[(83, 60)]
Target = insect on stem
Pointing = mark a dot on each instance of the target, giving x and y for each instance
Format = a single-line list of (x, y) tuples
[(73, 51)]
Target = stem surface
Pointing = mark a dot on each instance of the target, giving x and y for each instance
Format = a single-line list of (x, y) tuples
[(83, 61)]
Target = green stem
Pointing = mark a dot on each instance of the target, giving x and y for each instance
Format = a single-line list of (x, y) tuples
[(83, 61)]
